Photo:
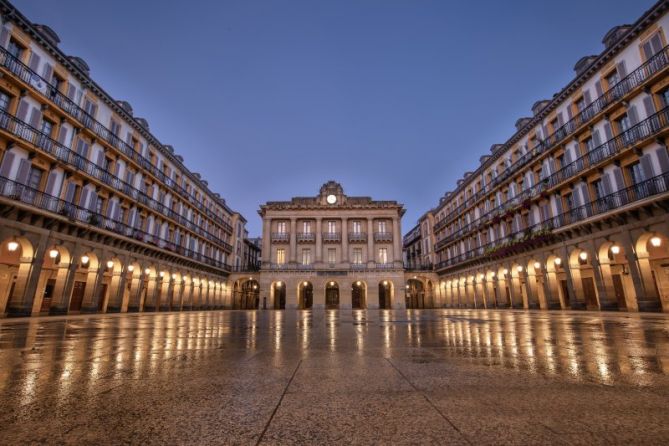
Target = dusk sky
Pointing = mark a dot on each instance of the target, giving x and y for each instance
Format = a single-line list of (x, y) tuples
[(270, 99)]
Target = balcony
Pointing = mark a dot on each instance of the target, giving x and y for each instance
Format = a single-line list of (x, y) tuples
[(42, 202), (383, 236), (331, 237), (613, 95), (644, 130), (358, 266), (610, 203), (357, 237), (280, 237), (306, 237), (73, 160)]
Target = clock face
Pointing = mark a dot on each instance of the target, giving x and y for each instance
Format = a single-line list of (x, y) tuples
[(331, 199)]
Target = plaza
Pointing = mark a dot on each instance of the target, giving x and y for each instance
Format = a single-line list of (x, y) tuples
[(359, 377)]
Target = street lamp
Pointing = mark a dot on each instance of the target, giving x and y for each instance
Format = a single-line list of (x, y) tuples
[(147, 271)]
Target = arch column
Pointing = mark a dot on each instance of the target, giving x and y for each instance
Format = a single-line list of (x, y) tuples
[(642, 277), (93, 280), (152, 291), (576, 301), (165, 293), (372, 296), (136, 285), (30, 268), (605, 291), (117, 287), (62, 293)]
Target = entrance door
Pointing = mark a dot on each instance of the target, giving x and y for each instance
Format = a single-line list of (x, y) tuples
[(620, 291), (77, 296), (565, 293), (308, 296), (332, 298), (357, 297), (384, 297), (48, 295), (101, 296), (590, 293)]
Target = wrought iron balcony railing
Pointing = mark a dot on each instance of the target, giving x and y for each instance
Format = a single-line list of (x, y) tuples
[(383, 236), (306, 237), (331, 237), (280, 237), (357, 237), (50, 204), (645, 189)]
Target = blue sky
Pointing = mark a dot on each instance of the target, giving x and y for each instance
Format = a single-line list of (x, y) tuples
[(394, 99)]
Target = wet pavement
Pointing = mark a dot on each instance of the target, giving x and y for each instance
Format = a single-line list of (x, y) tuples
[(361, 377)]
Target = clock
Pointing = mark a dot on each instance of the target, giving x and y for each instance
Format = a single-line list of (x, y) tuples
[(331, 199)]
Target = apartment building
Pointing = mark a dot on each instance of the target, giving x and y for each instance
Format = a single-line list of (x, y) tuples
[(571, 211), (332, 251), (97, 215)]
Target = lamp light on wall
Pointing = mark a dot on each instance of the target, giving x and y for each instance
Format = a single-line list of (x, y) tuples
[(279, 284), (85, 259), (583, 256), (519, 269), (305, 283), (53, 253), (12, 245), (656, 241), (147, 271), (505, 272), (174, 276), (131, 268), (537, 265), (358, 283), (385, 283), (110, 264), (161, 274), (615, 249), (557, 261)]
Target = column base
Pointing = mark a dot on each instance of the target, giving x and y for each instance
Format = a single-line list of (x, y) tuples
[(89, 310), (133, 310), (149, 309), (649, 305), (113, 309)]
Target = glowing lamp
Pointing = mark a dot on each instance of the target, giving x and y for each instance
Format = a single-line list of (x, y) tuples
[(53, 253), (110, 264), (519, 269), (583, 256), (85, 259), (13, 246), (656, 241), (131, 268), (558, 261), (615, 249), (537, 265), (147, 271)]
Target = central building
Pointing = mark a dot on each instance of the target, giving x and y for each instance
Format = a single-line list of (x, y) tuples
[(332, 251)]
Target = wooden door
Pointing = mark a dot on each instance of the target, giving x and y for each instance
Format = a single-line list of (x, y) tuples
[(565, 292), (590, 293), (48, 295), (332, 298), (77, 296), (619, 289)]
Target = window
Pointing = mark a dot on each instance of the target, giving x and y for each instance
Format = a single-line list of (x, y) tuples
[(34, 178), (332, 256), (580, 105), (357, 256), (382, 226), (280, 256), (115, 127), (623, 123), (569, 201), (15, 49), (635, 172), (383, 255), (306, 227), (98, 205), (664, 97), (121, 215), (281, 227), (306, 257), (332, 227), (47, 127), (356, 227), (560, 161), (4, 101), (613, 78), (649, 48), (589, 144), (598, 189), (90, 107)]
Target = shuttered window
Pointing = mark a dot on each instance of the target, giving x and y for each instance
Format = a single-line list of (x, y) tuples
[(4, 101)]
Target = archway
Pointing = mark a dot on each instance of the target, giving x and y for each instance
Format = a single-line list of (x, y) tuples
[(54, 277), (358, 295), (385, 295), (279, 295), (305, 295), (332, 296), (249, 295), (84, 282), (616, 278), (652, 251), (583, 278), (15, 267), (415, 295), (429, 295)]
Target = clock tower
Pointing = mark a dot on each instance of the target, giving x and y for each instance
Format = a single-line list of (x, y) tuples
[(332, 194)]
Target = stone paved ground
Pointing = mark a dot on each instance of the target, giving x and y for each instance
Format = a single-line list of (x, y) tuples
[(353, 377)]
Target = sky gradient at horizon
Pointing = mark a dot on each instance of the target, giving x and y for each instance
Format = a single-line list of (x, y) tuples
[(271, 99)]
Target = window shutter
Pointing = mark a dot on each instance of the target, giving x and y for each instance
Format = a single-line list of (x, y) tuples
[(24, 169), (71, 91), (93, 201), (607, 131), (560, 120), (663, 158), (586, 96), (595, 138), (62, 134), (35, 117), (558, 204), (585, 197), (631, 112), (656, 43), (606, 184), (85, 148), (101, 158), (567, 157), (598, 87), (94, 109), (6, 166), (117, 211), (83, 198), (69, 194), (47, 72), (649, 106), (22, 111), (4, 37), (530, 218), (618, 175), (34, 62), (647, 166), (128, 139), (50, 183), (622, 70), (110, 208), (551, 165), (569, 115)]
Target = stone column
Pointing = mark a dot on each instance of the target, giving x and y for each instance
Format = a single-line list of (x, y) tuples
[(576, 301), (136, 286), (397, 242), (370, 242), (642, 277), (21, 301), (319, 240), (372, 296), (266, 253), (293, 240), (344, 240), (345, 297), (63, 291)]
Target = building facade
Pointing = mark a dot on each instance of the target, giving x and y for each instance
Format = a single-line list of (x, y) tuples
[(571, 211), (332, 251), (96, 214)]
